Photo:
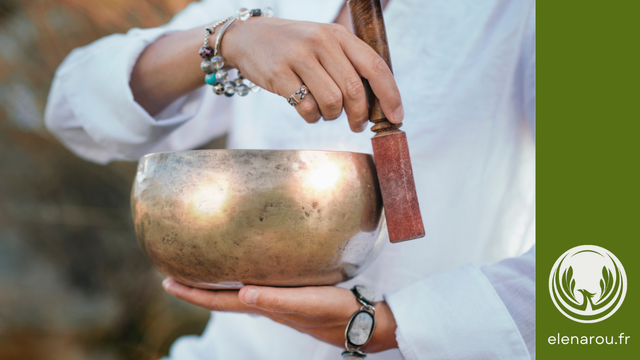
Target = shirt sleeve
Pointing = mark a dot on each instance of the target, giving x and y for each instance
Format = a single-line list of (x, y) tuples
[(529, 72), (471, 312), (91, 107)]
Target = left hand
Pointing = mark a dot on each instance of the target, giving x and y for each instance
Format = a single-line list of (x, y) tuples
[(320, 311)]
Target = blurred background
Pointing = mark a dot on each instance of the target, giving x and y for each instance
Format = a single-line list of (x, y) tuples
[(73, 282)]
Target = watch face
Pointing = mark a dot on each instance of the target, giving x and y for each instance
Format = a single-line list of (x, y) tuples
[(360, 328), (364, 293)]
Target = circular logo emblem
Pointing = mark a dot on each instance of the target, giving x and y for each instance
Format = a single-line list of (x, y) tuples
[(587, 284)]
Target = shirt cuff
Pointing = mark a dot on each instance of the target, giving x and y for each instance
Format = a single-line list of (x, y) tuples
[(455, 315), (109, 114)]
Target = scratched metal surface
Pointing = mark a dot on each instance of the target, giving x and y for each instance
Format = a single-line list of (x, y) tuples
[(224, 218)]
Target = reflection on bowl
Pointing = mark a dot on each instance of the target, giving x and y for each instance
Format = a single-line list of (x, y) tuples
[(226, 218)]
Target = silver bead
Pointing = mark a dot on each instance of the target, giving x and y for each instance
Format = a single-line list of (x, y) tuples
[(217, 62), (206, 66), (221, 75), (267, 12), (240, 76), (237, 82), (218, 89), (255, 88), (242, 90), (229, 88), (244, 14)]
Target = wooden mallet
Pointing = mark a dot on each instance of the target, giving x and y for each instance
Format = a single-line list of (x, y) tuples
[(390, 148)]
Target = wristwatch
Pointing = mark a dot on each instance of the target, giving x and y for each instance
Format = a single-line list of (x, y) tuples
[(361, 325)]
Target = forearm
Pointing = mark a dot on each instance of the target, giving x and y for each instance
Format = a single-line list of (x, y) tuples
[(168, 69)]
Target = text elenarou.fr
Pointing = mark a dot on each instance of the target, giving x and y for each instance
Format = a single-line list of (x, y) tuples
[(588, 340)]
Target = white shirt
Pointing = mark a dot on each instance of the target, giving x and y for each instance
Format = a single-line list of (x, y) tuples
[(466, 72)]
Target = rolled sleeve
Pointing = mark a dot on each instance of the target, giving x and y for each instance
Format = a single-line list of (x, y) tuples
[(91, 108), (93, 83), (455, 315)]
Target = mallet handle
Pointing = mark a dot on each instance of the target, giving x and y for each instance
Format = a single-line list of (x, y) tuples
[(368, 25), (390, 148)]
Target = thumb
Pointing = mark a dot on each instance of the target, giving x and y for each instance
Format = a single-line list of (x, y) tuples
[(271, 299), (310, 300)]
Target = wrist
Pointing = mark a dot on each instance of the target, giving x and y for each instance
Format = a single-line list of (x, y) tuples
[(240, 38), (215, 65), (234, 43), (228, 49), (384, 334)]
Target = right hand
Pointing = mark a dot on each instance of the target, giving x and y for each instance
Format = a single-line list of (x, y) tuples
[(280, 55)]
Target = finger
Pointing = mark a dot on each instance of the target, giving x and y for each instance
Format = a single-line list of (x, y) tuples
[(326, 301), (308, 108), (345, 76), (373, 68), (219, 300), (324, 90)]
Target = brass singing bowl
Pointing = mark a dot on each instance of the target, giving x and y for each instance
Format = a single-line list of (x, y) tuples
[(221, 219)]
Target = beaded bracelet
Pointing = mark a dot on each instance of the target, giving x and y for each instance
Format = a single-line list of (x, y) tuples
[(213, 63)]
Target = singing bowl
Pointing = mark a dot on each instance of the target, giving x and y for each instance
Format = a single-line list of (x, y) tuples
[(221, 219)]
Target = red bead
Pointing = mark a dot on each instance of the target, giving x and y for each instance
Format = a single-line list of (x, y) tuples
[(206, 52)]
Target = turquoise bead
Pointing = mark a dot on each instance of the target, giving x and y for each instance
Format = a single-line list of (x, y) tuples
[(210, 79)]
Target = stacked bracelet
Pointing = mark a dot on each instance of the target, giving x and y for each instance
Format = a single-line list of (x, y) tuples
[(213, 62)]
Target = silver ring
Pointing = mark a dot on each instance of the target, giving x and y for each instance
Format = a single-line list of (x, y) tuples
[(297, 96)]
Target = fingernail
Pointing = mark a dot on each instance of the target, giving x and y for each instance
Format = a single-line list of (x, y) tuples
[(251, 296), (167, 284), (398, 114), (359, 129)]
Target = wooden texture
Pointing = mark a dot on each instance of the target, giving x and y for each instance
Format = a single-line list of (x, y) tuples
[(395, 175), (368, 25), (390, 147)]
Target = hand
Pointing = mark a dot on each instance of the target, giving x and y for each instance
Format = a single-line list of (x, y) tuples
[(280, 55), (322, 312)]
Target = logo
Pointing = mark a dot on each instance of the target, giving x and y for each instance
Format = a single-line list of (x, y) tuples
[(587, 284)]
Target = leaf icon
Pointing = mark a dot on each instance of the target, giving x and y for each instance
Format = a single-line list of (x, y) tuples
[(606, 283), (570, 273), (568, 283), (609, 287)]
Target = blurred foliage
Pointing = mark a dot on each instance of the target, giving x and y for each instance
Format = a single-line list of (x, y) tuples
[(73, 283)]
